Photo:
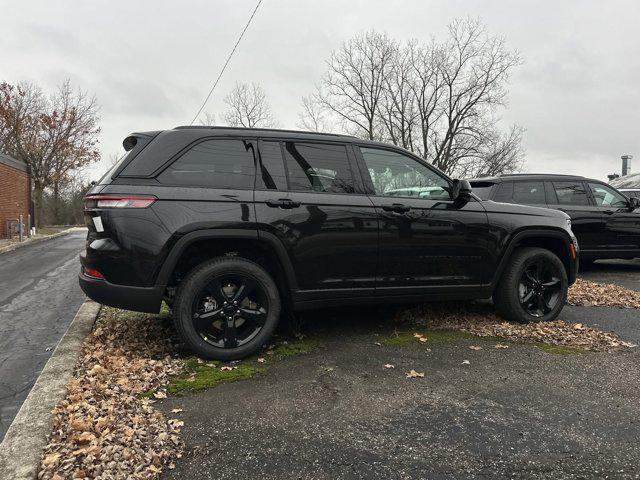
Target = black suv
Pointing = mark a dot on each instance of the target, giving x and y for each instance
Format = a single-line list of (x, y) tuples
[(230, 226), (606, 222)]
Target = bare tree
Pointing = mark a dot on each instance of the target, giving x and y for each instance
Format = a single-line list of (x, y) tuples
[(208, 120), (313, 116), (438, 100), (353, 84), (55, 135), (475, 69), (397, 109), (248, 107)]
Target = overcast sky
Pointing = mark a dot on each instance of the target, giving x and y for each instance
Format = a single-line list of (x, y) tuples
[(150, 63)]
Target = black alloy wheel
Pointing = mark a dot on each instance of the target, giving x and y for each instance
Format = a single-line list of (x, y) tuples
[(540, 287), (230, 311), (533, 286), (226, 308)]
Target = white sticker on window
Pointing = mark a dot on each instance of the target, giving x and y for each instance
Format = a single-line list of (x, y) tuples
[(97, 221)]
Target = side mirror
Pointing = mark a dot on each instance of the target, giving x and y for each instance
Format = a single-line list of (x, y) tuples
[(461, 191), (634, 202)]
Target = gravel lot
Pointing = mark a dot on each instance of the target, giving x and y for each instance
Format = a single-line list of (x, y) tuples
[(337, 412)]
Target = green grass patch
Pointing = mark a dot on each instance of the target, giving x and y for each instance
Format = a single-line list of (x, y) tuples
[(559, 349), (295, 347), (199, 376), (401, 338)]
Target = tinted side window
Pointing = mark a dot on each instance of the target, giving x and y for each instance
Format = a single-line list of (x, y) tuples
[(213, 163), (504, 192), (571, 193), (482, 189), (272, 175), (396, 175), (528, 192), (607, 197), (318, 167)]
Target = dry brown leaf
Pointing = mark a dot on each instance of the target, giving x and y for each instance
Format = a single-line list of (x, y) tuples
[(586, 293), (475, 347), (160, 394), (176, 410), (388, 365), (414, 374), (500, 345), (261, 360), (480, 319)]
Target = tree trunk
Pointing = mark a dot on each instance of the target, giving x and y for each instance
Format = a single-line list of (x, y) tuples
[(38, 193)]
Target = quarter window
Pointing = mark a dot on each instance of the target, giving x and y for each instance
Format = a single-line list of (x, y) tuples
[(318, 167), (607, 197), (213, 163), (571, 193), (396, 175)]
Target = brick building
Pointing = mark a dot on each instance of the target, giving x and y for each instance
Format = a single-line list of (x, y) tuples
[(15, 197)]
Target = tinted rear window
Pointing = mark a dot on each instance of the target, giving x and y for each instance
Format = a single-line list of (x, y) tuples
[(318, 167), (272, 175), (213, 163), (529, 192)]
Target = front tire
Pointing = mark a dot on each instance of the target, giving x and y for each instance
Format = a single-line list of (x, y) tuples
[(533, 287), (226, 308)]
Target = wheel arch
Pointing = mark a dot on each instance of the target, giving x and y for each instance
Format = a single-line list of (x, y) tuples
[(556, 241), (194, 247)]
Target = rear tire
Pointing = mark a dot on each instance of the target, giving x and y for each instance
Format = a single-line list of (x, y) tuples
[(226, 308), (533, 287)]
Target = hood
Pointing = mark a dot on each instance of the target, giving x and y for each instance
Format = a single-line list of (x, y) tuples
[(515, 209)]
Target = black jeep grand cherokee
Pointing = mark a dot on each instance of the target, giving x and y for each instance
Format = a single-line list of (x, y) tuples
[(229, 226)]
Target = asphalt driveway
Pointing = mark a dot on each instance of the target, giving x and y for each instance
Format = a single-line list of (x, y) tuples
[(338, 413), (39, 296)]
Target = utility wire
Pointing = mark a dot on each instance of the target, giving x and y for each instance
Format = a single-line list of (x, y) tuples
[(226, 63)]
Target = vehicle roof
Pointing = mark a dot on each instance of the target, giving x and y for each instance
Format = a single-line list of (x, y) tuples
[(530, 176), (266, 132)]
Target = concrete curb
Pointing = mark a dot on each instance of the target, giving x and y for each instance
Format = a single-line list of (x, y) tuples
[(22, 447), (33, 241)]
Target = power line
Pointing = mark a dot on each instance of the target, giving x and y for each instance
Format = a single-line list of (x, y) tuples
[(226, 63)]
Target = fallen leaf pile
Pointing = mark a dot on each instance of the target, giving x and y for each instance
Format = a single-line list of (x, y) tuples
[(592, 294), (480, 319), (103, 428)]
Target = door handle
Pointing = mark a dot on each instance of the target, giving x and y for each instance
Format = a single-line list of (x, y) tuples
[(396, 207), (609, 212), (282, 203)]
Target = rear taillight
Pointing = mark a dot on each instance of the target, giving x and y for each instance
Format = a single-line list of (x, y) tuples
[(118, 201), (92, 272)]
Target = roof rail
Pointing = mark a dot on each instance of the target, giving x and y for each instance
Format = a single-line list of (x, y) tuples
[(538, 175), (279, 130)]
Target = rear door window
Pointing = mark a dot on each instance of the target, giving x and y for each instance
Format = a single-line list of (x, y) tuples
[(318, 167), (272, 175), (571, 193), (531, 193), (213, 163)]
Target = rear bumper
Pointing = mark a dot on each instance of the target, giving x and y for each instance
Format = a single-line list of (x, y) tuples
[(139, 299)]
